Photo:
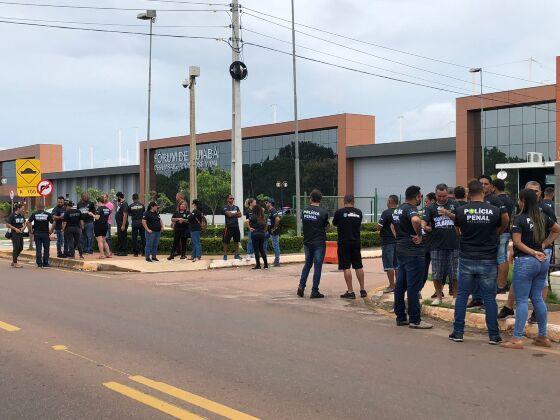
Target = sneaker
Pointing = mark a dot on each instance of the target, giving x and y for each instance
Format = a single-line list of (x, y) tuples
[(363, 293), (149, 259), (494, 341), (61, 256), (257, 267), (542, 342), (457, 337), (39, 265), (436, 302), (237, 256), (475, 304), (422, 325), (389, 290), (435, 295), (155, 259), (505, 312), (533, 318), (136, 254), (276, 264), (183, 257), (266, 267), (348, 295), (171, 257), (300, 292), (402, 323), (225, 257), (316, 295)]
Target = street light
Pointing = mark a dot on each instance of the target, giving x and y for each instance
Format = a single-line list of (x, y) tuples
[(281, 185), (190, 83), (479, 70), (151, 16)]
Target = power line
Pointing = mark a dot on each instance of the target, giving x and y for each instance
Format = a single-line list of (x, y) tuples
[(190, 2), (385, 58), (385, 47), (111, 24), (386, 77), (112, 31), (68, 6)]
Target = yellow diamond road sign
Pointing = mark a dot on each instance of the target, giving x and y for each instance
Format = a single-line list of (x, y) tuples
[(28, 175)]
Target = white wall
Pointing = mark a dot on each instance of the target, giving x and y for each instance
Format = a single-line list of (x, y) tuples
[(393, 174)]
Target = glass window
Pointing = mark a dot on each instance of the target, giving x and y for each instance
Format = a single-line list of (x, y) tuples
[(516, 115), (552, 150), (541, 132), (529, 133), (491, 137), (542, 148), (9, 171), (516, 152), (491, 118), (528, 115), (552, 111), (503, 135), (504, 150), (516, 134), (541, 113), (552, 132), (503, 117), (527, 147)]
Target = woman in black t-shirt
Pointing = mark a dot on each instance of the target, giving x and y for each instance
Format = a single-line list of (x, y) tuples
[(100, 228), (257, 226), (532, 232), (153, 225), (16, 223), (180, 220), (196, 223)]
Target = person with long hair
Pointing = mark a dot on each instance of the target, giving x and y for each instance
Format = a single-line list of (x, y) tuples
[(197, 222), (533, 231), (153, 225), (248, 212), (257, 226), (180, 220), (101, 226)]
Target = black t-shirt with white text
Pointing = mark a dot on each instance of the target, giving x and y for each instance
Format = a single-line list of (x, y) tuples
[(16, 220), (348, 221), (72, 217), (231, 221), (153, 220), (314, 220), (58, 211), (548, 203), (479, 223), (509, 204), (104, 213), (271, 221), (402, 220), (41, 221), (443, 234), (136, 210), (385, 221), (549, 211), (524, 225), (181, 226), (85, 207)]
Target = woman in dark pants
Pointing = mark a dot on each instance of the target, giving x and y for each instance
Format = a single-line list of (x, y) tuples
[(16, 222), (180, 220), (257, 226)]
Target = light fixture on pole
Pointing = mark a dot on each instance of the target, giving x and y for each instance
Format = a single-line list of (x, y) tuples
[(190, 83), (151, 16), (479, 70), (281, 185)]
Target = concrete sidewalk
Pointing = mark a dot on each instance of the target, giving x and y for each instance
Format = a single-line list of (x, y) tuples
[(475, 318), (140, 265)]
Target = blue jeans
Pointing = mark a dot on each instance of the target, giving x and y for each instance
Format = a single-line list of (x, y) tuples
[(42, 248), (250, 249), (275, 246), (410, 278), (61, 243), (109, 240), (314, 256), (529, 279), (87, 238), (152, 242), (196, 245), (482, 273)]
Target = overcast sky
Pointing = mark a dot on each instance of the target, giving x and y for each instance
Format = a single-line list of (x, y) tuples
[(79, 88)]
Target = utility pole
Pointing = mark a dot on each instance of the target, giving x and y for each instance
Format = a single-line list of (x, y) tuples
[(296, 127), (194, 72), (236, 139)]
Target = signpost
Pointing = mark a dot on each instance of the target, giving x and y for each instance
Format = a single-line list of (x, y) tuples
[(45, 187), (12, 195), (28, 174)]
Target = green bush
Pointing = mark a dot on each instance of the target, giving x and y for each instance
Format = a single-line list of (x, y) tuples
[(370, 227), (288, 223)]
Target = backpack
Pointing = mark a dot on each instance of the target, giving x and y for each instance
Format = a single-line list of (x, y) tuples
[(203, 223)]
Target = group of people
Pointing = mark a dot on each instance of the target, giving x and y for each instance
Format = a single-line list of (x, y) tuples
[(466, 239)]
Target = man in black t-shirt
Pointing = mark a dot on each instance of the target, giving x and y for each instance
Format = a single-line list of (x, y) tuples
[(16, 223), (315, 220), (460, 195), (388, 242), (248, 213), (231, 230), (549, 197), (58, 214), (121, 222), (410, 256), (72, 226), (444, 245), (429, 199), (509, 204), (87, 207), (136, 210), (480, 224), (348, 221), (41, 224), (273, 229)]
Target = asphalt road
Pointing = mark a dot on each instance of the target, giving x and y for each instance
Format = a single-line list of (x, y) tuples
[(234, 344)]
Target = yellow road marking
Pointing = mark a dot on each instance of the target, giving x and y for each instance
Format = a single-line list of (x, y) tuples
[(9, 327), (199, 401), (62, 347), (150, 401), (59, 347)]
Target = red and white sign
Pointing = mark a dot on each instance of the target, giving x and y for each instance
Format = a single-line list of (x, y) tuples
[(45, 187), (12, 195)]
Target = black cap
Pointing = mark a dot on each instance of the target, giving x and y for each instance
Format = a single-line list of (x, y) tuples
[(270, 200)]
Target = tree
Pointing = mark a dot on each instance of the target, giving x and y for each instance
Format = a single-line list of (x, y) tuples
[(94, 193), (213, 187)]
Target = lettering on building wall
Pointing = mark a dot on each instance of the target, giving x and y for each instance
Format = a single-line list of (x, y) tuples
[(206, 158)]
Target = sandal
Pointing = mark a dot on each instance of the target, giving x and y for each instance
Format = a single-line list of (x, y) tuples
[(513, 344), (542, 341)]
